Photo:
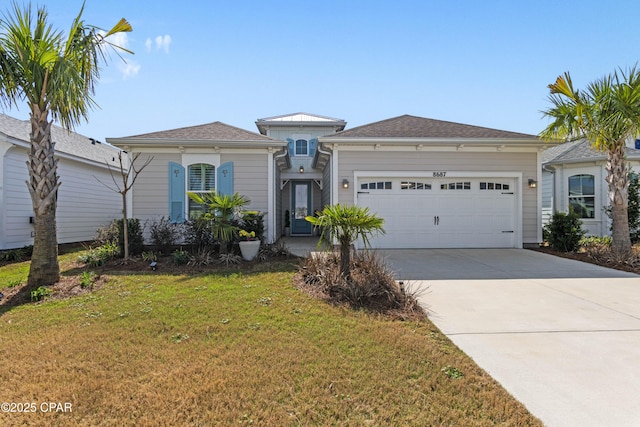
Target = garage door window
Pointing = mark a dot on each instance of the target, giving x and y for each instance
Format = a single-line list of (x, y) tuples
[(379, 185), (466, 185), (493, 186), (415, 185), (582, 195)]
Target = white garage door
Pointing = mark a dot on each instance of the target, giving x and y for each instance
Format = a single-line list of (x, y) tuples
[(442, 213)]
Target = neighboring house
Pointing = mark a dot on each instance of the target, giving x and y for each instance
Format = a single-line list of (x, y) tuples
[(84, 204), (437, 184), (574, 174)]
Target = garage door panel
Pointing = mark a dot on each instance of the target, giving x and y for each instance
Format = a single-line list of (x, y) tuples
[(444, 218)]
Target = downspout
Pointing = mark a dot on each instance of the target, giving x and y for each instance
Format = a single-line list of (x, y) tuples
[(275, 188), (328, 153)]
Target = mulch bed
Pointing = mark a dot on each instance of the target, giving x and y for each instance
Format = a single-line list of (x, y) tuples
[(585, 257)]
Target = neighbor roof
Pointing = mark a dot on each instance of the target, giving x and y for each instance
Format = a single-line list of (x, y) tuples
[(67, 143), (578, 151), (408, 126)]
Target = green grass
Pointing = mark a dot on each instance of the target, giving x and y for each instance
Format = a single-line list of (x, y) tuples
[(234, 348)]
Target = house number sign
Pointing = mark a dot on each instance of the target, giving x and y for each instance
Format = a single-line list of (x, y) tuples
[(439, 174)]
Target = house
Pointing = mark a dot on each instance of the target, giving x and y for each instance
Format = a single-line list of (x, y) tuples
[(84, 202), (437, 184), (573, 174)]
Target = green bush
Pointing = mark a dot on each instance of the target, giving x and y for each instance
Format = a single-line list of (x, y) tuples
[(593, 241), (100, 255), (134, 231), (252, 221), (164, 234), (198, 234), (180, 257), (564, 232)]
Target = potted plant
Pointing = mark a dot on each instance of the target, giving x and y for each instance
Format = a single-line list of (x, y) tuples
[(249, 244)]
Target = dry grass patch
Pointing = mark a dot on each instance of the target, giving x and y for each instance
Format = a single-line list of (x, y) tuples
[(235, 349)]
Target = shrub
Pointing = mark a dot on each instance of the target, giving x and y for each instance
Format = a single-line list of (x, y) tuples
[(253, 221), (201, 256), (40, 293), (371, 286), (595, 241), (87, 280), (134, 231), (164, 234), (149, 256), (564, 231), (180, 257), (197, 233), (106, 234), (100, 255)]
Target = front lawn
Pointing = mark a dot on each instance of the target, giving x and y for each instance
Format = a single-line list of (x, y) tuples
[(231, 348)]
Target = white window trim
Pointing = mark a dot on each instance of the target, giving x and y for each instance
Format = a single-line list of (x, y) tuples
[(189, 159)]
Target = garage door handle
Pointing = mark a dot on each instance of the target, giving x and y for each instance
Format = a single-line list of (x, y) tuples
[(363, 192), (508, 193), (508, 231), (436, 220)]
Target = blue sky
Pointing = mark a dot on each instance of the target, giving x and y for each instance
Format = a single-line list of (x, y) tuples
[(485, 63)]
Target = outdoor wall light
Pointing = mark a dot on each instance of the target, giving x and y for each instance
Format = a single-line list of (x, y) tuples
[(533, 183), (345, 183), (301, 170)]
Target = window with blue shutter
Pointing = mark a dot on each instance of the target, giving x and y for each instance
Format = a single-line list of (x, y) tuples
[(176, 192), (202, 180), (225, 178), (313, 144)]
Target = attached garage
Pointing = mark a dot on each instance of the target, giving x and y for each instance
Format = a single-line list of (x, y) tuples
[(439, 184), (445, 212)]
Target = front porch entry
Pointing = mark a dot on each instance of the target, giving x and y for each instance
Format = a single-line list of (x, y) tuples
[(301, 202)]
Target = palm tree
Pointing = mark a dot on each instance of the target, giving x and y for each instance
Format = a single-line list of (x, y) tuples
[(345, 224), (607, 114), (55, 76), (221, 210)]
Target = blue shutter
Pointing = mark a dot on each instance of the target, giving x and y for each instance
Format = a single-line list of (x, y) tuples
[(176, 192), (292, 147), (312, 147), (225, 179)]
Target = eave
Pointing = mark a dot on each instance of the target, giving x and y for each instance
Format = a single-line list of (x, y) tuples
[(192, 143)]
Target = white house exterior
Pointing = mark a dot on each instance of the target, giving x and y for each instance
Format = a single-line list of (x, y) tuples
[(437, 184), (574, 174), (84, 202)]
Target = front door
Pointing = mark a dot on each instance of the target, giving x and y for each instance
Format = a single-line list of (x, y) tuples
[(301, 202)]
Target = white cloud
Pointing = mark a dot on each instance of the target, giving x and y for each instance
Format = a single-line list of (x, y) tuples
[(148, 43), (163, 43), (129, 69)]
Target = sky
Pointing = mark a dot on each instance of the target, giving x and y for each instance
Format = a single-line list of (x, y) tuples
[(485, 63)]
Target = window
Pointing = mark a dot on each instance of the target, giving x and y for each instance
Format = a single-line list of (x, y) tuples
[(413, 185), (380, 185), (493, 186), (456, 186), (582, 195), (302, 147), (201, 180)]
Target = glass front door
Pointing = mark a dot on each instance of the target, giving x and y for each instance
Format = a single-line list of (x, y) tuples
[(301, 202)]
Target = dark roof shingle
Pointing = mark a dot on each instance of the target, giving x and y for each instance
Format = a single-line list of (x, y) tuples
[(408, 126), (216, 131)]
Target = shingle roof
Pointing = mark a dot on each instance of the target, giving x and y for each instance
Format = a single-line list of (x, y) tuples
[(216, 131), (407, 126), (70, 143), (576, 151)]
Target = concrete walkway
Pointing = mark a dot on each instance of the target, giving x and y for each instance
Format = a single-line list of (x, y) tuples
[(561, 336)]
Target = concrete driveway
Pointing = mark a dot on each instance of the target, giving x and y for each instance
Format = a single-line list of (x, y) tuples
[(561, 336)]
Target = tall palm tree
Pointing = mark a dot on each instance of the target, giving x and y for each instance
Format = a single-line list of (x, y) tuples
[(345, 224), (607, 114), (55, 75)]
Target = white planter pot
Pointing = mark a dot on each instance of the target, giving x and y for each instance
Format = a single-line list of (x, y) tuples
[(249, 249)]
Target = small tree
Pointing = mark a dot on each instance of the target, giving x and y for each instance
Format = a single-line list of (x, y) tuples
[(222, 210), (564, 231), (345, 224), (122, 183)]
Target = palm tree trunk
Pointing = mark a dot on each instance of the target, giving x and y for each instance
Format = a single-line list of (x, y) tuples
[(618, 181), (43, 187), (345, 259)]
